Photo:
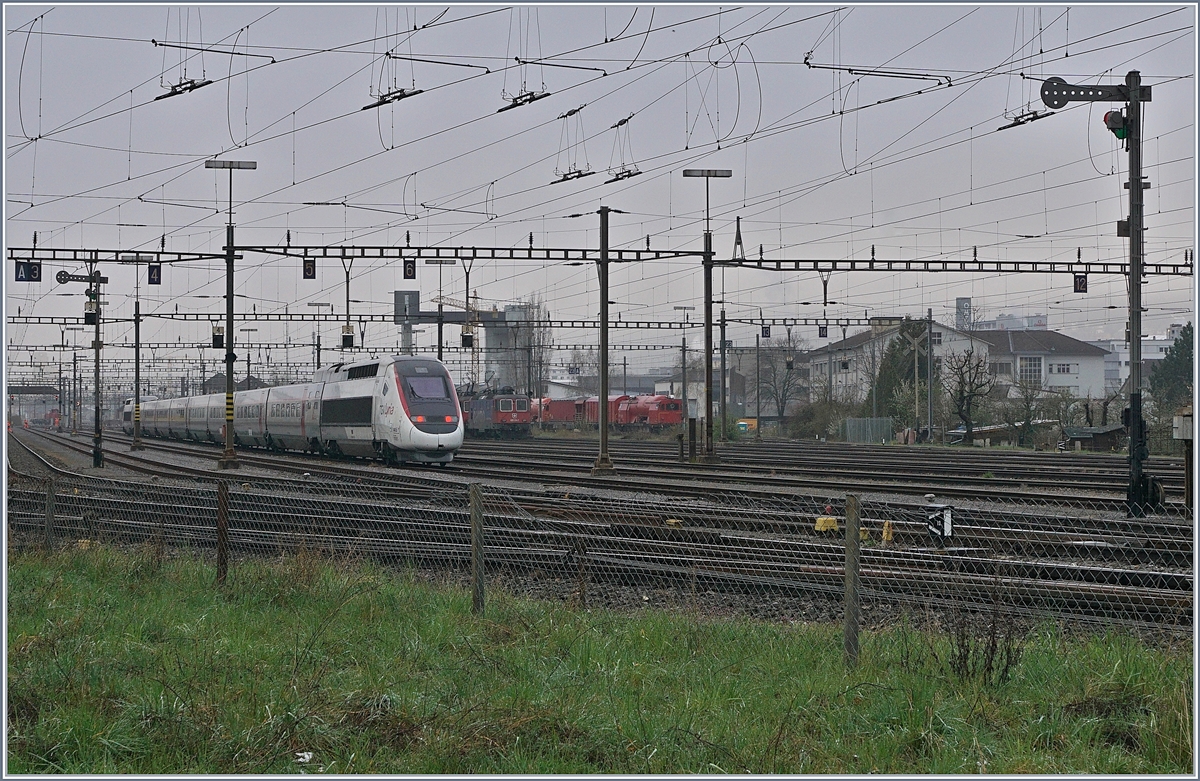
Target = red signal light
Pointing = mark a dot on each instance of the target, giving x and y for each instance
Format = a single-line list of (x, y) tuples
[(1115, 121)]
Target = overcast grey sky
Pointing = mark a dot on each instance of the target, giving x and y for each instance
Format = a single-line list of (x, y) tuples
[(889, 140)]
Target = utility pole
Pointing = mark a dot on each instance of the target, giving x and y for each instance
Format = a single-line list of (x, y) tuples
[(687, 407), (603, 464), (929, 376), (1056, 93), (74, 393), (758, 385), (708, 174), (229, 459), (724, 416), (137, 377), (94, 294), (347, 329)]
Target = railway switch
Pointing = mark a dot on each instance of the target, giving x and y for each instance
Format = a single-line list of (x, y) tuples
[(940, 520)]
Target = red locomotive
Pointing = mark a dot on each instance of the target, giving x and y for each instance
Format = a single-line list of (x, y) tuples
[(624, 412), (498, 413), (650, 411)]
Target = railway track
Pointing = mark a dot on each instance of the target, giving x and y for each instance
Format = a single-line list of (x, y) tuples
[(960, 473), (401, 516), (398, 525), (776, 509)]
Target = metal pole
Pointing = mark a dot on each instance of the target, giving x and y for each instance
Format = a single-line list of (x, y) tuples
[(724, 415), (604, 464), (624, 375), (683, 381), (137, 377), (917, 384), (98, 437), (1138, 495), (709, 455), (757, 387), (929, 377), (440, 318), (74, 393), (229, 458)]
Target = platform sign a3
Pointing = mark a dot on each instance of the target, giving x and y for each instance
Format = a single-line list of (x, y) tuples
[(29, 271)]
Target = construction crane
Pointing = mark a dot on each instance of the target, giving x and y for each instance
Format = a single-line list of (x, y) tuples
[(469, 328)]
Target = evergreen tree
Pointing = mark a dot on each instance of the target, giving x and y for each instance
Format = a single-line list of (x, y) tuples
[(896, 367), (1171, 382)]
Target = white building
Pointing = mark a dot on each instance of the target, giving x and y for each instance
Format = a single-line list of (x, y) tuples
[(856, 359), (1116, 363), (1055, 361)]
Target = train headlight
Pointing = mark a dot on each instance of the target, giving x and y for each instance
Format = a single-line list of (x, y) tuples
[(451, 419), (418, 419)]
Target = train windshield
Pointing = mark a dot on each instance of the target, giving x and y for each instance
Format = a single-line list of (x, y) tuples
[(427, 388), (428, 396)]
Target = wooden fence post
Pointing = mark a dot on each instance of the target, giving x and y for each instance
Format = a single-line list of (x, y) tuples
[(222, 530), (850, 631), (475, 499)]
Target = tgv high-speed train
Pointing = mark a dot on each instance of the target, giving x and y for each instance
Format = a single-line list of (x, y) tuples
[(397, 408)]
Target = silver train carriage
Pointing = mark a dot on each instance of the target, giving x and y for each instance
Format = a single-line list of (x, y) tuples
[(397, 408)]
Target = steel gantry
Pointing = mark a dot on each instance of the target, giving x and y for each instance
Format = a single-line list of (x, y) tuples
[(600, 256)]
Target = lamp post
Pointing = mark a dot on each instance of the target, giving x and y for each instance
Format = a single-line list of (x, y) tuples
[(708, 173), (229, 458)]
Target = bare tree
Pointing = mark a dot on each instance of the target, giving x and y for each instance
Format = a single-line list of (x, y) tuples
[(531, 347), (967, 382), (588, 363), (1020, 410), (781, 376)]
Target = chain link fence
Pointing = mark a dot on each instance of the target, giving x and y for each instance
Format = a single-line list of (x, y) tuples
[(812, 556)]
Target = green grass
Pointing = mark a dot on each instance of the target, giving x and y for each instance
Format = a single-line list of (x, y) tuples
[(119, 662)]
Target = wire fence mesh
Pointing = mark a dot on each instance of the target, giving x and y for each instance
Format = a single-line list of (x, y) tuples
[(1039, 559)]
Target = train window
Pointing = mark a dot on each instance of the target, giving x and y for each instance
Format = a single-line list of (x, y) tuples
[(522, 405), (506, 405), (370, 370), (427, 387)]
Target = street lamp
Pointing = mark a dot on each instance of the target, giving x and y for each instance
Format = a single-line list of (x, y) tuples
[(229, 459), (708, 173)]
